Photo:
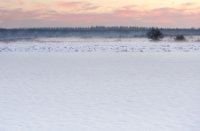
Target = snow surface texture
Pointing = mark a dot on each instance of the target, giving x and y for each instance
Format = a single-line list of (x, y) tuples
[(102, 90), (99, 91), (101, 45)]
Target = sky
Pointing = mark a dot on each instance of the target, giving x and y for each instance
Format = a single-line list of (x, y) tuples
[(84, 13)]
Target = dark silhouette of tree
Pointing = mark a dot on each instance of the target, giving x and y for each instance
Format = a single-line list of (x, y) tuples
[(155, 34), (180, 38)]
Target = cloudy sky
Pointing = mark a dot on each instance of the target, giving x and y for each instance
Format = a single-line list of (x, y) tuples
[(60, 13)]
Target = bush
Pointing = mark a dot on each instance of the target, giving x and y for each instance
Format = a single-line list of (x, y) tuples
[(180, 38), (155, 34)]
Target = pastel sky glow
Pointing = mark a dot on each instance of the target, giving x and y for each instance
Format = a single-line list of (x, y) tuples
[(61, 13)]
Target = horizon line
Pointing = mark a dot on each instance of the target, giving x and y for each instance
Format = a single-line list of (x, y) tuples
[(97, 26)]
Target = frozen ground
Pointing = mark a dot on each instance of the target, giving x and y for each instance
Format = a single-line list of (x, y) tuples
[(100, 45), (99, 91)]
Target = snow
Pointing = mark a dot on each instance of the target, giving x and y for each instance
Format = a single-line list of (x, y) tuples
[(100, 45), (99, 91)]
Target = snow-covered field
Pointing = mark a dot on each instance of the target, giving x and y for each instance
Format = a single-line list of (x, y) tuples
[(99, 91), (100, 45)]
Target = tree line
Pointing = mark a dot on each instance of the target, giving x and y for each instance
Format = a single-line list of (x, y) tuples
[(94, 31)]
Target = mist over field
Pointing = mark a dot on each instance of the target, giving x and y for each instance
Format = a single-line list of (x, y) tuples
[(90, 32)]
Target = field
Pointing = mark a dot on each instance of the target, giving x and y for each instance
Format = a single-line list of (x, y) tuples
[(120, 85)]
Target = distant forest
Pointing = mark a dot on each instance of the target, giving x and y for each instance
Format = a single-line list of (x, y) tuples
[(97, 31)]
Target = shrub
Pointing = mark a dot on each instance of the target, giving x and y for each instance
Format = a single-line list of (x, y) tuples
[(180, 38), (155, 34)]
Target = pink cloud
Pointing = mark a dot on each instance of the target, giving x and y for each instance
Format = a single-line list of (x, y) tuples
[(76, 5), (162, 17), (19, 14)]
